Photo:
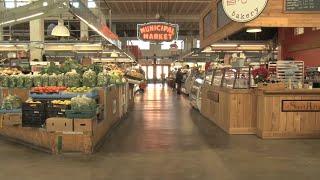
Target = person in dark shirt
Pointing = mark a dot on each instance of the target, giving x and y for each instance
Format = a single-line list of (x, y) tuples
[(179, 79)]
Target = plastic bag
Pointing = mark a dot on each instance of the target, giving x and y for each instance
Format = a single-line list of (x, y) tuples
[(60, 80), (53, 79), (28, 81), (20, 81), (83, 103), (4, 80), (102, 79), (37, 80), (45, 80), (12, 81), (72, 79), (89, 78)]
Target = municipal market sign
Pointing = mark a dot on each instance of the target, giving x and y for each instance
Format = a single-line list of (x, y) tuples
[(157, 32), (243, 10)]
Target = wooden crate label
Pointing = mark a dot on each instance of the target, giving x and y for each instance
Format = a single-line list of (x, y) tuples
[(300, 105), (213, 96)]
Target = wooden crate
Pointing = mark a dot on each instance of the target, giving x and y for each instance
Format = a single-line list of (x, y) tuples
[(86, 126), (10, 119), (57, 124)]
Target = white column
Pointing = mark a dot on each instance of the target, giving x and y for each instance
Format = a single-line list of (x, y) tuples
[(1, 29), (84, 29), (36, 35)]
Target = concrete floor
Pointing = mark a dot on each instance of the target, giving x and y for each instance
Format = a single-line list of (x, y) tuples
[(165, 139)]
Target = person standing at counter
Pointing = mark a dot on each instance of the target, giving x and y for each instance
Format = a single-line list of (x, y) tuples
[(179, 78)]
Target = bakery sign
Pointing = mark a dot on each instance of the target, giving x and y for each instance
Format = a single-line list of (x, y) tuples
[(300, 105), (157, 32), (243, 10)]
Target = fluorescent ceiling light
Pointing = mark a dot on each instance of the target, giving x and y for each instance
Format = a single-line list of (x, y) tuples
[(86, 45), (114, 54), (253, 45), (60, 30), (224, 45), (254, 30), (7, 22), (31, 16), (7, 45)]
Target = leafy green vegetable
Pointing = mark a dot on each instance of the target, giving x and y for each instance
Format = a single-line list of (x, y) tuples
[(89, 78)]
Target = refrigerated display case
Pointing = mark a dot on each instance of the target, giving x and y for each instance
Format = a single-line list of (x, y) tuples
[(195, 92), (236, 78)]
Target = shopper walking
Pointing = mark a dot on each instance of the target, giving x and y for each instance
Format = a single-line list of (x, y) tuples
[(179, 78)]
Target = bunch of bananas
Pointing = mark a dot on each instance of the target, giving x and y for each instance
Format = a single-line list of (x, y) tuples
[(60, 102)]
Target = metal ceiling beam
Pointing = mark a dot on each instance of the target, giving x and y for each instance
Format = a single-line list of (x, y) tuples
[(160, 1), (142, 18)]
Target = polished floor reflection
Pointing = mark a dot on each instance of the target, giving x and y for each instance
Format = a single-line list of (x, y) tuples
[(163, 138)]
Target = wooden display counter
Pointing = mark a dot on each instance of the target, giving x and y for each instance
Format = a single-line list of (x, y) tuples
[(64, 142), (230, 109), (288, 114)]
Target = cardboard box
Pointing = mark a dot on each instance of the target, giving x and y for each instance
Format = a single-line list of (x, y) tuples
[(84, 125), (57, 124), (11, 119)]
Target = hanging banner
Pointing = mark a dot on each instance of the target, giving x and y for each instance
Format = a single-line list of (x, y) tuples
[(244, 10), (157, 32)]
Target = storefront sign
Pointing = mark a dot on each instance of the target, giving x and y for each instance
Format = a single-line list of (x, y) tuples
[(157, 32), (243, 10), (213, 96), (302, 5), (300, 105)]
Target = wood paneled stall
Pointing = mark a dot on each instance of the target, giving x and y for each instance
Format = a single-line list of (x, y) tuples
[(288, 114), (232, 110)]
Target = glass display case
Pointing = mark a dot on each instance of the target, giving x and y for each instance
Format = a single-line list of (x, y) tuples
[(195, 92), (208, 77), (217, 77), (233, 78)]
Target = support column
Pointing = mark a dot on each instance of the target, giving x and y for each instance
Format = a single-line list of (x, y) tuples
[(84, 29), (1, 29), (36, 37)]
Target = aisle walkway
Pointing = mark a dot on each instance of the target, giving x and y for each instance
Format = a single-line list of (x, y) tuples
[(164, 139)]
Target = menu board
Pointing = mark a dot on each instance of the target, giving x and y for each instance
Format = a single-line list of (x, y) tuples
[(302, 5)]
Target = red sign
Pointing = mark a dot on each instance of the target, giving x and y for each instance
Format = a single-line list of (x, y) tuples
[(157, 32), (107, 32)]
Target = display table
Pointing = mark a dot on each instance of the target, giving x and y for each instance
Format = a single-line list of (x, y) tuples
[(112, 110), (233, 110), (288, 113)]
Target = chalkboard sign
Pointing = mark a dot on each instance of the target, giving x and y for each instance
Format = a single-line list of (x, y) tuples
[(302, 5)]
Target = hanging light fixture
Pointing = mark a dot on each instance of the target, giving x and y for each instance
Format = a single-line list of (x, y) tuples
[(114, 54), (60, 29), (254, 30)]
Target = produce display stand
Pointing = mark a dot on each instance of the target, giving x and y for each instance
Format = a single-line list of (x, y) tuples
[(93, 130)]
